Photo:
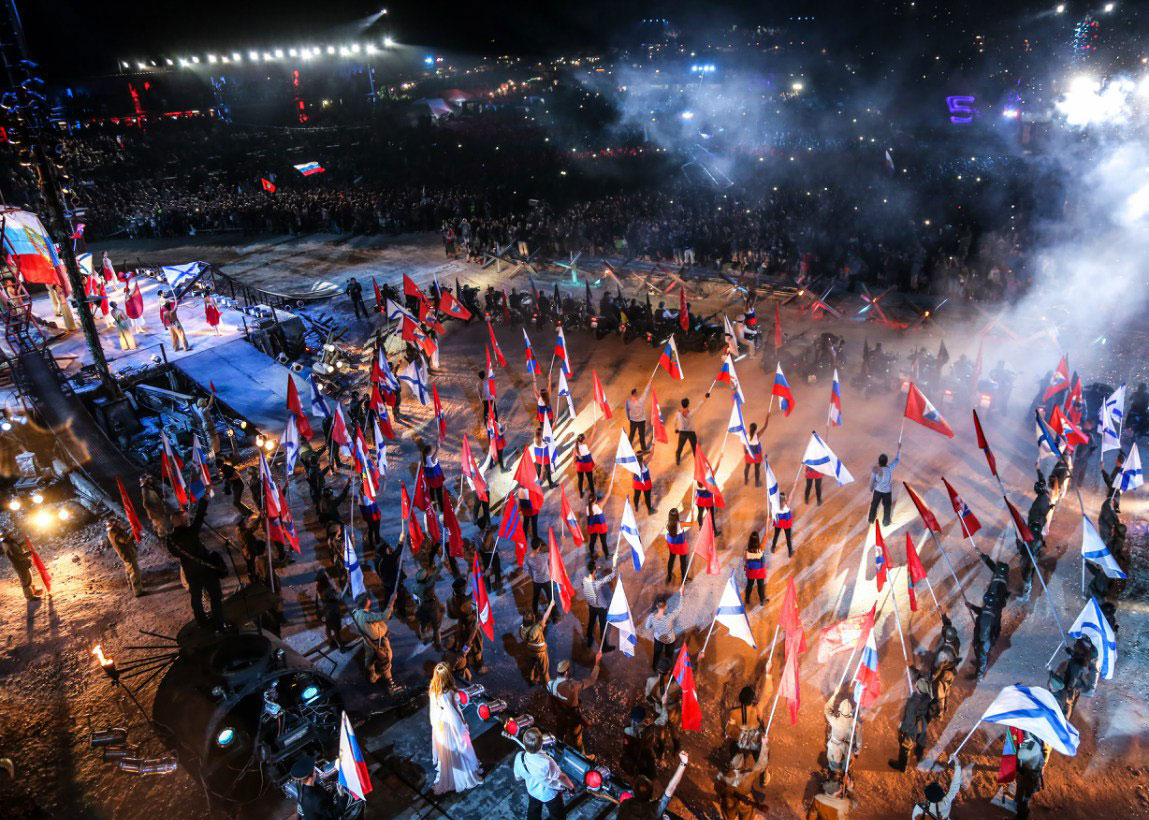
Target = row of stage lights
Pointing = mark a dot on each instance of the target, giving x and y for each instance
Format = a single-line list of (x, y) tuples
[(268, 56)]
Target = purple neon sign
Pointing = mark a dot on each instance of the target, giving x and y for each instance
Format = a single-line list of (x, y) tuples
[(961, 109)]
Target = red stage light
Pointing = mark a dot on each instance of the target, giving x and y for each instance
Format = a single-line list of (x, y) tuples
[(484, 711), (593, 779), (622, 798), (511, 727)]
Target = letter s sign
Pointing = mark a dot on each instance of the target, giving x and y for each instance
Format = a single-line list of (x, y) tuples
[(961, 109)]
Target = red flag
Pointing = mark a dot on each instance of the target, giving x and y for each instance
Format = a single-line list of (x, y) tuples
[(408, 329), (704, 546), (451, 522), (683, 311), (914, 571), (420, 499), (777, 328), (790, 618), (883, 557), (845, 635), (410, 288), (511, 527), (428, 316), (40, 568), (1061, 424), (928, 518), (568, 515), (656, 418), (296, 409), (1058, 380), (1075, 402), (478, 484), (439, 417), (919, 409), (600, 396), (130, 512), (789, 683), (452, 306), (413, 530), (495, 345), (559, 573), (525, 475), (704, 473), (1019, 522), (268, 185), (134, 304), (684, 674), (482, 602), (211, 384), (378, 296), (969, 522), (983, 443), (339, 433), (1007, 768), (490, 375)]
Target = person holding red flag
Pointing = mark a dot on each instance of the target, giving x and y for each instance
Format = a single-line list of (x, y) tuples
[(881, 483), (21, 560)]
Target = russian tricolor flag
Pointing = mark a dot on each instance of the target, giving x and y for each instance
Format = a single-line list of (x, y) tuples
[(782, 391), (835, 402), (561, 352), (309, 168), (353, 774), (669, 360), (867, 685)]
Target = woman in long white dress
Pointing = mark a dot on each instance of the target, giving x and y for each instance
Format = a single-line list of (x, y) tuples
[(456, 766)]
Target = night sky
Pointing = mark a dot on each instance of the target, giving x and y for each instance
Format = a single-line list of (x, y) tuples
[(70, 38)]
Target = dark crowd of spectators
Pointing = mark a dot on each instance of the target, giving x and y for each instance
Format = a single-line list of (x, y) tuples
[(492, 181)]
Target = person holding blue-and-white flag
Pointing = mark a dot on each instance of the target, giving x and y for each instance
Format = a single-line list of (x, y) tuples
[(1093, 624), (1111, 418)]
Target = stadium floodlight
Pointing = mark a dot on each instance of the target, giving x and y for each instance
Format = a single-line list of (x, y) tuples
[(140, 65), (167, 60), (225, 59), (235, 57), (279, 54), (331, 49), (195, 60), (371, 49), (125, 65), (1060, 8), (267, 58), (291, 52), (796, 87), (354, 48), (344, 51), (1109, 7), (388, 42), (253, 56), (183, 63), (211, 58)]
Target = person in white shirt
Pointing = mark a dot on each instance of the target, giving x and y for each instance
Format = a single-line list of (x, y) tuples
[(685, 427), (938, 804), (545, 780)]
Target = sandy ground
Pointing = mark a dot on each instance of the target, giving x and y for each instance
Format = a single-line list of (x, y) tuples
[(52, 685)]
